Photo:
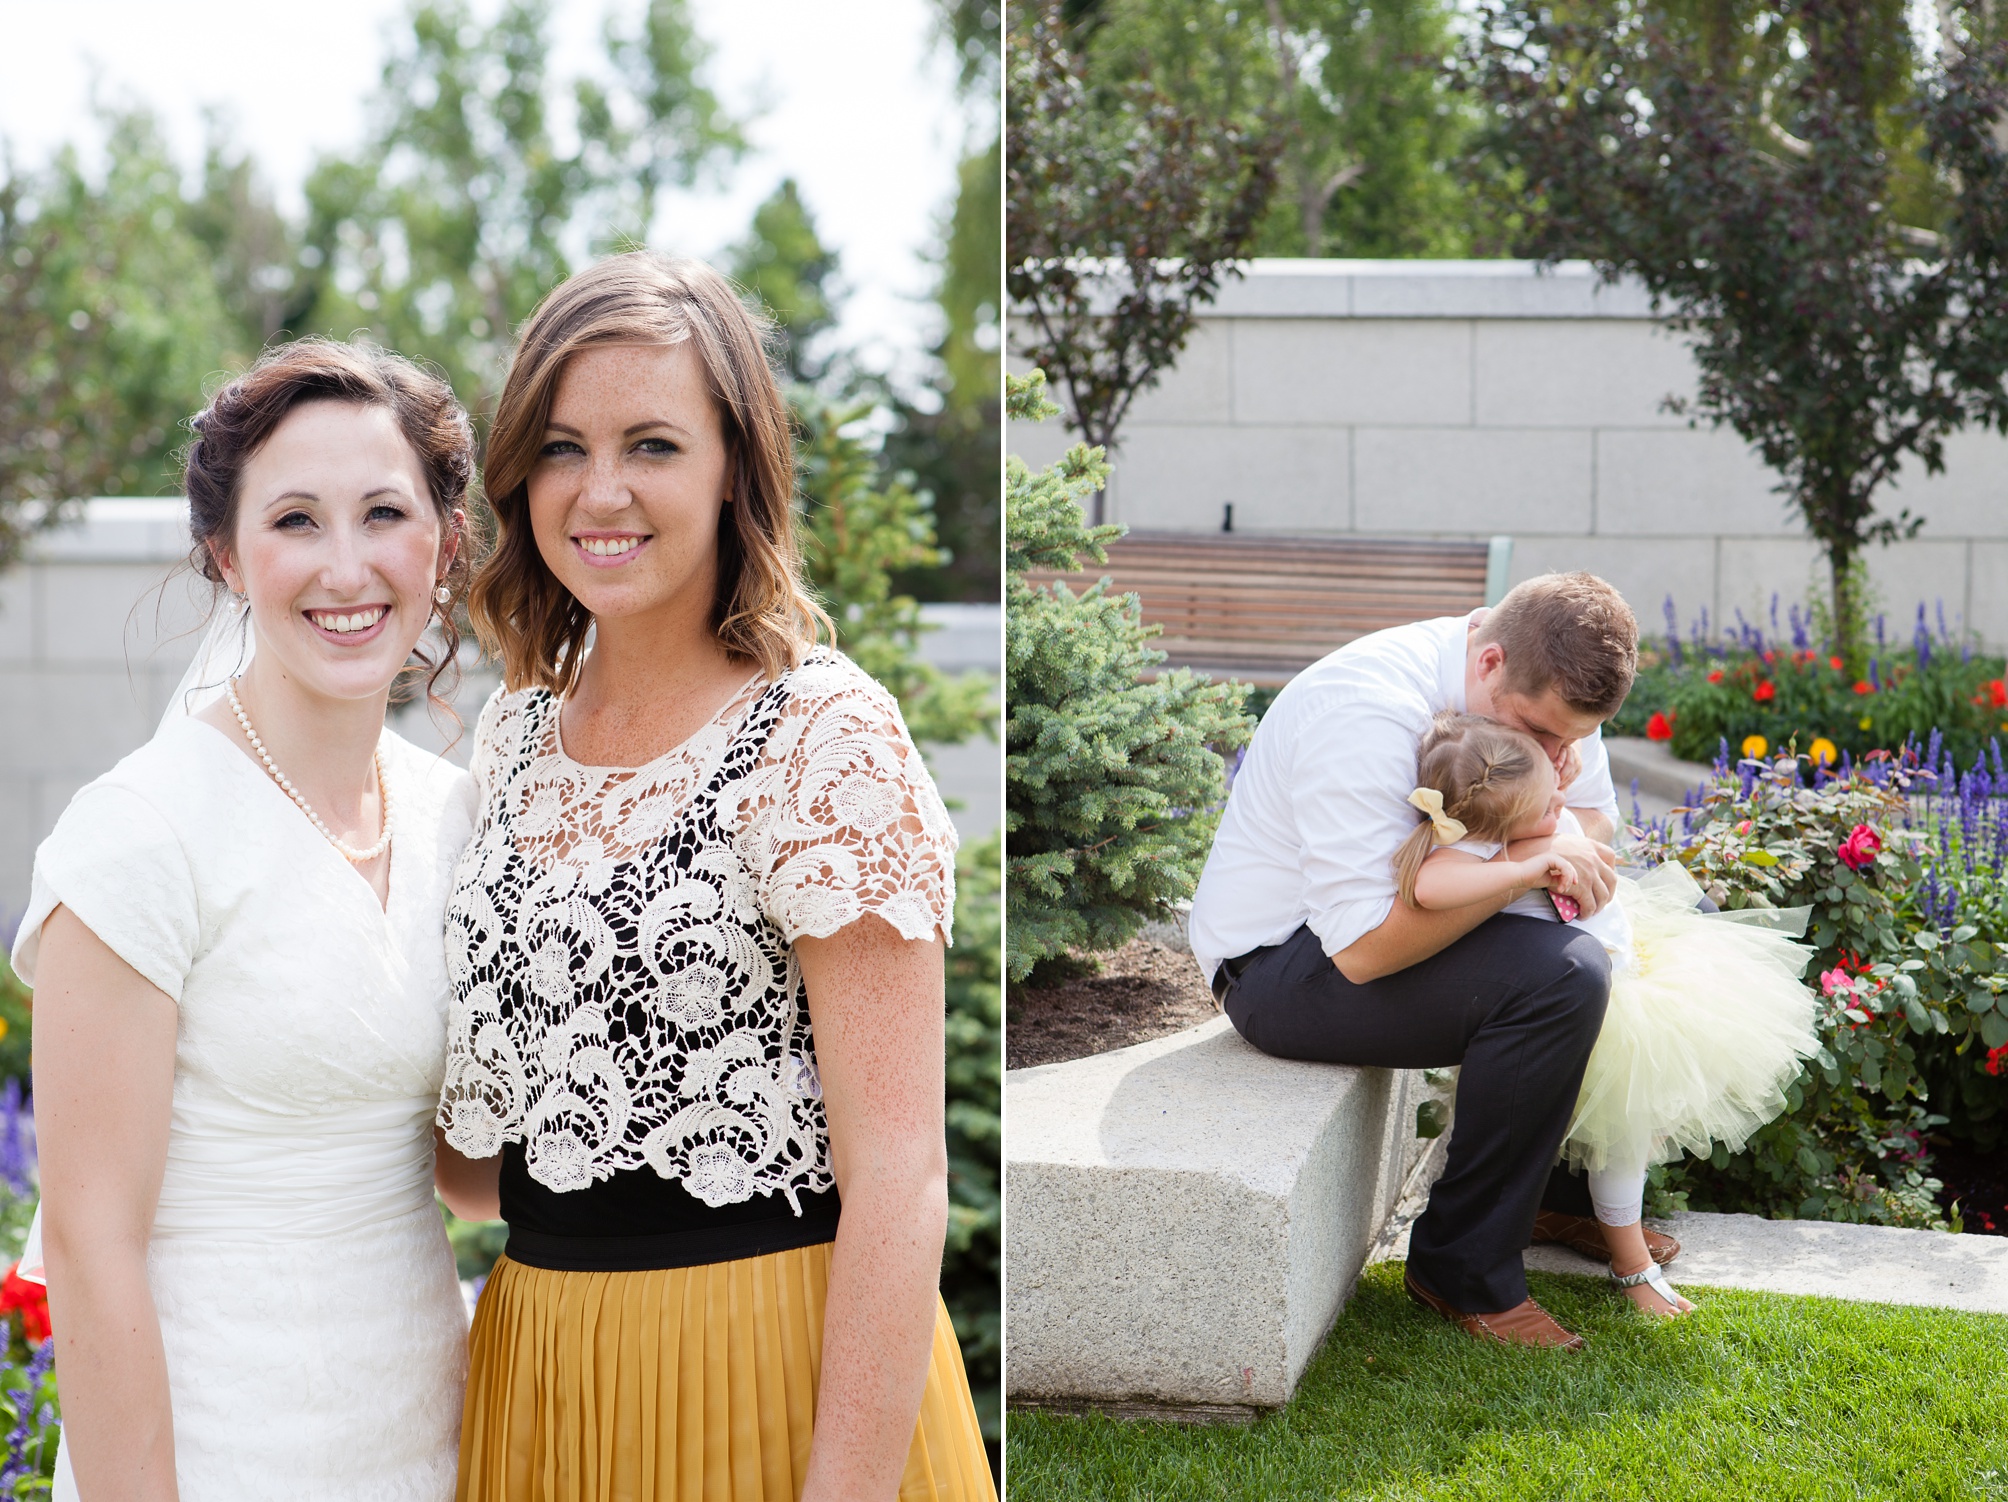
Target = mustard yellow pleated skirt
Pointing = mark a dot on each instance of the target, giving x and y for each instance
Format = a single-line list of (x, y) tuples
[(689, 1384)]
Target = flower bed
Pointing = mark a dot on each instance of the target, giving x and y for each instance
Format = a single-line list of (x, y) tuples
[(1900, 859), (1757, 692)]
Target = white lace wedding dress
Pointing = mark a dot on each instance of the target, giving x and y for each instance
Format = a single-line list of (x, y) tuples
[(315, 1336)]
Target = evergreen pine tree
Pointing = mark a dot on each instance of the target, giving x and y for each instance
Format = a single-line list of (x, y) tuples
[(1113, 780)]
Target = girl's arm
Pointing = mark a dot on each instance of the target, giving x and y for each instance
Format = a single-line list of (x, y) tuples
[(1457, 878), (104, 1088), (876, 1004), (471, 1187)]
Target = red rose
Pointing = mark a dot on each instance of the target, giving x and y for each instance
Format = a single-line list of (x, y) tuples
[(1716, 676), (1863, 686), (1659, 727), (1996, 1058), (1858, 850), (1997, 693), (32, 1299), (1764, 692), (1835, 663)]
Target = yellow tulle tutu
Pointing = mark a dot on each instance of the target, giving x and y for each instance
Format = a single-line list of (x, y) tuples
[(1706, 1029)]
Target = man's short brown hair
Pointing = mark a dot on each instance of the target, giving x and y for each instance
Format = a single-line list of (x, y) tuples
[(1569, 632)]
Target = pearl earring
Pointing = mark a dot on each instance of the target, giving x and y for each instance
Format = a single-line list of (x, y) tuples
[(442, 594)]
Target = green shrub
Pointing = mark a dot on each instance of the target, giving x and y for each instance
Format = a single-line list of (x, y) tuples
[(1113, 778), (971, 1265), (1906, 992), (16, 1025), (1701, 692)]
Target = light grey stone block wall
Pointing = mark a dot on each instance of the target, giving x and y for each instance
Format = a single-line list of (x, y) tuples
[(1188, 1216), (1459, 399), (99, 621)]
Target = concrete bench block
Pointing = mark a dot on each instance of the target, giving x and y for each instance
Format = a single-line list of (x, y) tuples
[(1188, 1216)]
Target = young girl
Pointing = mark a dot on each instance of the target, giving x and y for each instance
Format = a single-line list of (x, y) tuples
[(1707, 1022)]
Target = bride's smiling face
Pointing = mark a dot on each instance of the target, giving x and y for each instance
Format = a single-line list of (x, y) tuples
[(338, 546)]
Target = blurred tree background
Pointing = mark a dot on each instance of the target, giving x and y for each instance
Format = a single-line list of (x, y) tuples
[(129, 291), (123, 290)]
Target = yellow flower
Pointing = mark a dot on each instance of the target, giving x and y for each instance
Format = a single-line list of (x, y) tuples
[(1755, 745), (1823, 752), (1868, 722)]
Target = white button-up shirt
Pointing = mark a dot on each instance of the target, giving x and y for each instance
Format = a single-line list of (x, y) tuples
[(1320, 804)]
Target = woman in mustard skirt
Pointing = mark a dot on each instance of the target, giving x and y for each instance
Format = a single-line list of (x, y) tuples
[(696, 1050)]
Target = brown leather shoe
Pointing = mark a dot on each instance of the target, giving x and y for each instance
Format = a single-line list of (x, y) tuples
[(1525, 1324), (1581, 1233)]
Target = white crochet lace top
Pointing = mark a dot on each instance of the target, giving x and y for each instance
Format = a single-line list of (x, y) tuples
[(620, 939)]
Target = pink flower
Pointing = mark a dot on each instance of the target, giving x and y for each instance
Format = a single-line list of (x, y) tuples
[(1835, 981), (1858, 851)]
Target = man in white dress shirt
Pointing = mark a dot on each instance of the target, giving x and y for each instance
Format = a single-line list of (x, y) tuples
[(1313, 957)]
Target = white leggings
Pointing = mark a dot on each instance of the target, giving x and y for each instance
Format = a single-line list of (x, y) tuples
[(1618, 1193)]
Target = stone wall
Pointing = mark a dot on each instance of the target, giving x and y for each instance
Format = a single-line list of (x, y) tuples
[(98, 623), (1460, 399)]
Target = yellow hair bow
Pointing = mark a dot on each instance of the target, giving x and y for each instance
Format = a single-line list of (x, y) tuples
[(1430, 801)]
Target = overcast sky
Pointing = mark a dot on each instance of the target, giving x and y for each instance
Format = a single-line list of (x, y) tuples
[(859, 108)]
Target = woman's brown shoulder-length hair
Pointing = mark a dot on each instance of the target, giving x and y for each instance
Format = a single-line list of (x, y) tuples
[(763, 611)]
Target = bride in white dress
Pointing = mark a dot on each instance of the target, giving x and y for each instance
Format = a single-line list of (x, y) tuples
[(240, 988)]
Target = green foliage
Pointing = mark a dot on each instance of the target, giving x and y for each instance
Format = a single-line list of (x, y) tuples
[(1751, 165), (952, 451), (859, 529), (1113, 779), (783, 262), (1360, 94), (112, 321), (1125, 209), (476, 1243), (971, 1264), (1900, 989), (443, 234), (16, 1025)]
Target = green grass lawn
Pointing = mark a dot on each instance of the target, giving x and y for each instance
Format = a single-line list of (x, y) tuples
[(1754, 1396)]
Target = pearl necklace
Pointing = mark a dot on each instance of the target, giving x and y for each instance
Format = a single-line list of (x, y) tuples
[(383, 787)]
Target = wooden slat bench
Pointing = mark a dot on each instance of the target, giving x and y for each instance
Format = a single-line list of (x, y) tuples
[(1261, 609)]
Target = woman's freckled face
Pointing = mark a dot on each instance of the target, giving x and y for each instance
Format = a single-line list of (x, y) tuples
[(338, 546), (627, 492), (1551, 810)]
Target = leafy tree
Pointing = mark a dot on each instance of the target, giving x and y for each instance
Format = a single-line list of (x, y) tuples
[(949, 441), (783, 262), (443, 235), (1371, 125), (1113, 780), (1125, 210), (861, 528), (1822, 208), (254, 253), (110, 320)]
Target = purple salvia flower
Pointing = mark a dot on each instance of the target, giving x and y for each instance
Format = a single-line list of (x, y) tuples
[(31, 1422), (1774, 612)]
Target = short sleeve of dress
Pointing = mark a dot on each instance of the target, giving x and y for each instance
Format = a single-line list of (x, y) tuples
[(1483, 849), (115, 862), (846, 820)]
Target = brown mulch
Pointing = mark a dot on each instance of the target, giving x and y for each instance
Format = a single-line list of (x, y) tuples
[(1143, 991)]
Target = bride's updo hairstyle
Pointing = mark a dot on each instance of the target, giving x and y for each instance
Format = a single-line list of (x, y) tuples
[(248, 410), (762, 610), (1485, 772)]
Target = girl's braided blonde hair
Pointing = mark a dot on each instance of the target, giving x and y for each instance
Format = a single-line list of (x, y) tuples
[(1485, 772)]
